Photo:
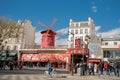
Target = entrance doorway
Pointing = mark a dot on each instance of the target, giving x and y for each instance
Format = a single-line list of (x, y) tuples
[(78, 58)]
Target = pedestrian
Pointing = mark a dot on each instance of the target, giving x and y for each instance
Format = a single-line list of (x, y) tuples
[(95, 68), (49, 68), (101, 66), (116, 69), (107, 68), (89, 68), (82, 69), (76, 67), (92, 68)]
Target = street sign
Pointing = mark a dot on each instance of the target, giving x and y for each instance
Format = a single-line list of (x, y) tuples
[(93, 47)]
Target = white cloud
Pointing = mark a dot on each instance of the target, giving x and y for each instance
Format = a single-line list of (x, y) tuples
[(63, 31), (61, 41), (38, 37), (111, 33), (94, 9), (97, 28)]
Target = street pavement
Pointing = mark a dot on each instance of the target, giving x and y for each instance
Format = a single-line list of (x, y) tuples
[(58, 77), (37, 74)]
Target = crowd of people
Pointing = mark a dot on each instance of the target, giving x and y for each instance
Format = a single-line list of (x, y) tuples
[(11, 65), (103, 68)]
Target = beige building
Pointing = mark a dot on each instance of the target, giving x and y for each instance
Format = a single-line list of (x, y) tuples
[(25, 39), (28, 34)]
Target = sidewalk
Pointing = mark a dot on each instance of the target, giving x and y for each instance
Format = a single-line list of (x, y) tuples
[(77, 77)]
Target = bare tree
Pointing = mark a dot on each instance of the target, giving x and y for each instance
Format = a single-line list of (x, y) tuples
[(9, 29)]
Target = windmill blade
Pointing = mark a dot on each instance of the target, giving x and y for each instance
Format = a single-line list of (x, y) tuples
[(54, 21), (43, 25)]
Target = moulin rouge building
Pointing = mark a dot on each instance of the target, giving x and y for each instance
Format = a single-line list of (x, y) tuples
[(58, 57)]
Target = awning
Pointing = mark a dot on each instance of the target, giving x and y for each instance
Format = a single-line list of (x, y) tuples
[(30, 57), (9, 59), (3, 59), (12, 53), (3, 54), (94, 60)]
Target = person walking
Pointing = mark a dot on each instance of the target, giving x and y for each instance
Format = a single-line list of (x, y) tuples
[(116, 69), (92, 68), (89, 68), (101, 66), (107, 68)]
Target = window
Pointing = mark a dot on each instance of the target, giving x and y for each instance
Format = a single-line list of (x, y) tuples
[(106, 43), (76, 31), (77, 25), (81, 31), (8, 47), (15, 48), (115, 43), (84, 24), (72, 31), (81, 37), (71, 38), (86, 31), (106, 54)]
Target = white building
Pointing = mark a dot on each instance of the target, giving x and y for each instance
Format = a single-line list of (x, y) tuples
[(110, 48), (80, 30)]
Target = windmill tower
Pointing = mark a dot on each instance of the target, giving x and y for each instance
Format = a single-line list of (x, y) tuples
[(48, 35)]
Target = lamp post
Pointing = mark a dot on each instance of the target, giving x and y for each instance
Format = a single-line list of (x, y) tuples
[(87, 38), (72, 63)]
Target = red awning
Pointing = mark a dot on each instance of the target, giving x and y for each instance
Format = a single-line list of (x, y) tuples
[(78, 51), (44, 58), (30, 57), (52, 58), (62, 57), (94, 60)]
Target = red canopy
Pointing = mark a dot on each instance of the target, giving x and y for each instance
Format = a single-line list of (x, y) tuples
[(44, 58), (52, 58), (94, 60), (62, 57), (30, 57)]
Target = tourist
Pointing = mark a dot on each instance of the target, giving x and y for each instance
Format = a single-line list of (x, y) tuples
[(116, 69)]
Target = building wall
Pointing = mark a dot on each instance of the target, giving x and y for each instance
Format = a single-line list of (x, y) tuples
[(110, 48), (29, 34), (80, 29), (14, 43)]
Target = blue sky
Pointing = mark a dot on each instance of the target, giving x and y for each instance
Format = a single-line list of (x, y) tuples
[(105, 13)]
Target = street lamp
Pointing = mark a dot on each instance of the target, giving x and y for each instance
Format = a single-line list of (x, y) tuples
[(72, 66), (87, 38)]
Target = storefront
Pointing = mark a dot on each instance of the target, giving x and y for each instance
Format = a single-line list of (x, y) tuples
[(94, 60)]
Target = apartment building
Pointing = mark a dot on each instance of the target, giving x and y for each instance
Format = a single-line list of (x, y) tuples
[(80, 30), (85, 30), (28, 34), (110, 48)]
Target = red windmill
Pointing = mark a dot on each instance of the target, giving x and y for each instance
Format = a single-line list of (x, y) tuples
[(48, 35)]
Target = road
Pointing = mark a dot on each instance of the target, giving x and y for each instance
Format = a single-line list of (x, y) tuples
[(30, 71), (37, 74)]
